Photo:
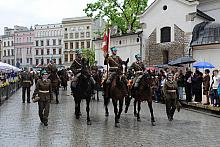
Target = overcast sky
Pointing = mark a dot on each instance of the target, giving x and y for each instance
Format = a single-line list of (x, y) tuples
[(31, 12)]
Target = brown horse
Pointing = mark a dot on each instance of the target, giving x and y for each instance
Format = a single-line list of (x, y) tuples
[(116, 93), (143, 93), (97, 77)]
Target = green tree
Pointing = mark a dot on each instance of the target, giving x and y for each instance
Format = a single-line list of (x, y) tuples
[(89, 54), (120, 13)]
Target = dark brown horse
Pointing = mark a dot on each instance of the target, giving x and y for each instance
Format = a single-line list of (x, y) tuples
[(98, 79), (143, 93), (116, 93), (83, 90)]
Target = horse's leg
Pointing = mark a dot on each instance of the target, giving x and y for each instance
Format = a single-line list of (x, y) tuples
[(57, 93), (135, 110), (127, 103), (106, 102), (76, 108), (151, 112), (139, 109), (97, 94), (120, 107), (87, 110), (116, 112)]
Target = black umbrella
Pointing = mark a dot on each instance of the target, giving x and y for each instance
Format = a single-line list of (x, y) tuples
[(182, 60)]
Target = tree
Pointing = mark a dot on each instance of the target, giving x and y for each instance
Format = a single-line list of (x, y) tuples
[(120, 13), (89, 54)]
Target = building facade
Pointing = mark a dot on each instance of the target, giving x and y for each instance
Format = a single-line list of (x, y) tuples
[(1, 48), (128, 46), (8, 54), (167, 36), (48, 44)]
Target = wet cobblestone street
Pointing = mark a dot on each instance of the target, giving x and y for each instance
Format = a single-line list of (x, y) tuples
[(20, 126)]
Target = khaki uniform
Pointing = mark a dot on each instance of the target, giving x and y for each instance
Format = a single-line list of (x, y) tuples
[(170, 90), (44, 91), (26, 83), (138, 68)]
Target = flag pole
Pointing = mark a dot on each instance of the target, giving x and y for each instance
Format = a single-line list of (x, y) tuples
[(108, 44)]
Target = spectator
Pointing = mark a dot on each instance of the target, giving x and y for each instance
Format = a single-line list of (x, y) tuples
[(197, 86), (188, 86), (206, 86), (214, 87), (180, 83)]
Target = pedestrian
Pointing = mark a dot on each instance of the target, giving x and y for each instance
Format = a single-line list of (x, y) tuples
[(170, 90), (206, 86), (197, 86), (44, 91), (26, 83), (180, 82), (214, 88), (188, 86)]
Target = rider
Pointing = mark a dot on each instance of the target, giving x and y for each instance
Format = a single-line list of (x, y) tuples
[(76, 68), (138, 68), (115, 63)]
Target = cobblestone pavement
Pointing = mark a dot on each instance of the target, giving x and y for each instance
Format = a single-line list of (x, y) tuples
[(20, 126)]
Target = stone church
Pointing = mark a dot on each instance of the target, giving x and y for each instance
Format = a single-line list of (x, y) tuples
[(168, 26)]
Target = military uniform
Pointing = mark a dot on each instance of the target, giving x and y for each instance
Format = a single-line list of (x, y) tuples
[(44, 91), (138, 69), (170, 90), (26, 83)]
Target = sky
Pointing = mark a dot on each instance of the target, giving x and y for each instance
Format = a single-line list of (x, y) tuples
[(31, 12)]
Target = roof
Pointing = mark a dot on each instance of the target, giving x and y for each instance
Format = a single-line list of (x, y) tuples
[(206, 33), (203, 15)]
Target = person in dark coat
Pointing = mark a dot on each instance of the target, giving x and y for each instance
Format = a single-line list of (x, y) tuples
[(206, 86), (197, 86), (26, 83), (188, 86), (44, 91)]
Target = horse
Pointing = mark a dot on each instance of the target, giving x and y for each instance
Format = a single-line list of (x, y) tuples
[(55, 81), (97, 77), (114, 91), (64, 78), (83, 90), (143, 93)]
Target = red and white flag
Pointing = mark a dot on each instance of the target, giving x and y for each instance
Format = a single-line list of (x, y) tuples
[(106, 42)]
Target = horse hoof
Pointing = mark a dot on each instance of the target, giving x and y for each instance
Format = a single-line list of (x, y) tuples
[(138, 119), (117, 125), (153, 123), (106, 114), (126, 110), (89, 123), (57, 102), (135, 114)]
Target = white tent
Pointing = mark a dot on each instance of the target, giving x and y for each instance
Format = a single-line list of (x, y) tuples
[(4, 67)]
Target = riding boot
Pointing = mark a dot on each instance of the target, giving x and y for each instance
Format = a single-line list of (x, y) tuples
[(136, 84)]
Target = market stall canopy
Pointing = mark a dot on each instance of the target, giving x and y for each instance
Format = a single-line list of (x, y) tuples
[(182, 60), (4, 67), (203, 65)]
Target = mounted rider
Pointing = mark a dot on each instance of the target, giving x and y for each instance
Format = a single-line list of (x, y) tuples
[(76, 68), (137, 68), (52, 68)]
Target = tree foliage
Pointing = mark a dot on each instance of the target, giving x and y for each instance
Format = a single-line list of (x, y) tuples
[(89, 54), (120, 13)]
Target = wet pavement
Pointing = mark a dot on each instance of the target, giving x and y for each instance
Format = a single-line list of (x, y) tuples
[(20, 126)]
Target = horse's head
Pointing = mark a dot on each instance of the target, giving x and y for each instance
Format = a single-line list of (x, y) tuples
[(147, 80), (125, 66), (85, 72)]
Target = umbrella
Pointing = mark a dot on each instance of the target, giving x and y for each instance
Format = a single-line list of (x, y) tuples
[(182, 60), (203, 65)]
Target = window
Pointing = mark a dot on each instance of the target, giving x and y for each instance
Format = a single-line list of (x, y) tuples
[(12, 61), (87, 34), (66, 45), (8, 52), (165, 7), (37, 61), (48, 51), (27, 60), (54, 51), (42, 43), (60, 51), (138, 39), (42, 51), (9, 61), (59, 42), (66, 58), (12, 43), (165, 34), (36, 52), (12, 52), (48, 61), (65, 29), (76, 35), (4, 44), (71, 45), (87, 27), (71, 57), (71, 35), (21, 60), (54, 41), (8, 43), (82, 34), (42, 61), (65, 36), (27, 50), (88, 44), (48, 42), (30, 61), (4, 52), (60, 61), (30, 51), (36, 42), (165, 56), (77, 45), (82, 45)]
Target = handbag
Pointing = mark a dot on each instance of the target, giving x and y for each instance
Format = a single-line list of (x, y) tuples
[(35, 99)]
